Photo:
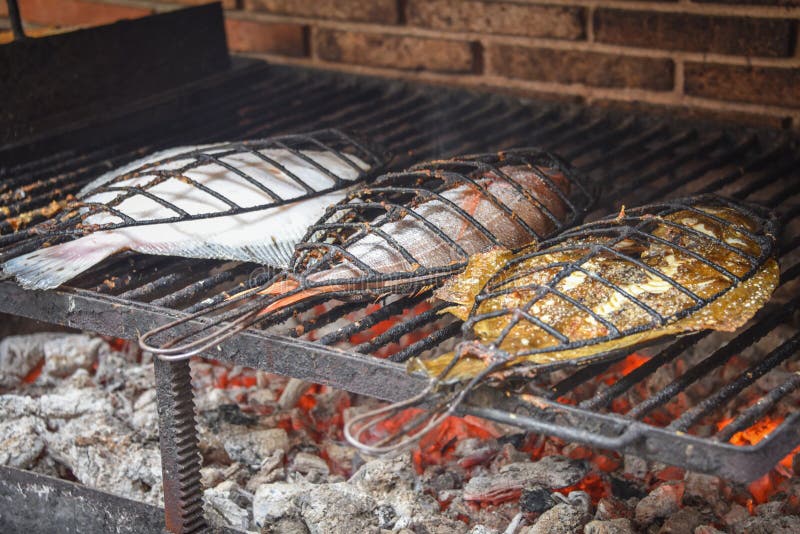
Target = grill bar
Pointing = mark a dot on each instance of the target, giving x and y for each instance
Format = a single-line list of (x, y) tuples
[(635, 159), (753, 373)]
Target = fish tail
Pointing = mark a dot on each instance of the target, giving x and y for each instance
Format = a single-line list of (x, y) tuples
[(50, 267)]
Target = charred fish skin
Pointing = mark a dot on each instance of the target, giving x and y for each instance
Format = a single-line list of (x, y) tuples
[(662, 269), (247, 201)]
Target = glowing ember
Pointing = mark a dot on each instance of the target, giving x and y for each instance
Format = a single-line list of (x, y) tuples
[(766, 486), (34, 373)]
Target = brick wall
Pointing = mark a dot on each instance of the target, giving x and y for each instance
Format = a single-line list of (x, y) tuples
[(726, 59)]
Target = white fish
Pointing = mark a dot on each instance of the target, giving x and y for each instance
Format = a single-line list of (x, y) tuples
[(266, 235)]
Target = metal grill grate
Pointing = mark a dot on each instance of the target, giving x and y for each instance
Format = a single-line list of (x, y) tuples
[(622, 239), (419, 222), (99, 207), (634, 159)]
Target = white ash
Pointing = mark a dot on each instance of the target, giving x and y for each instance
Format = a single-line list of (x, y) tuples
[(552, 471), (228, 505), (21, 442), (560, 519), (612, 526), (92, 416), (19, 355), (252, 447), (662, 502)]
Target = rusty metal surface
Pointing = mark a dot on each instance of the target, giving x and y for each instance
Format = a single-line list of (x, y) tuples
[(180, 455), (112, 316), (34, 503)]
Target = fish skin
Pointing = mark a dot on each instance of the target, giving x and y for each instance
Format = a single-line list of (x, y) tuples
[(265, 236), (732, 304), (434, 252)]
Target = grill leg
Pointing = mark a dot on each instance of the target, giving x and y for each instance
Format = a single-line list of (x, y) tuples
[(180, 455)]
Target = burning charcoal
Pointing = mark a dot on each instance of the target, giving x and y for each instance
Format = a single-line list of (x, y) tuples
[(560, 519), (340, 455), (785, 524), (211, 476), (578, 499), (535, 499), (481, 529), (20, 441), (660, 503), (261, 397), (440, 478), (287, 525), (232, 414), (385, 475), (684, 520), (709, 489), (635, 466), (612, 526), (13, 406), (221, 509), (770, 509), (310, 465), (273, 502), (271, 470), (65, 354), (99, 452), (19, 355), (437, 524), (145, 414), (337, 507), (736, 514), (386, 515), (517, 439), (612, 508), (552, 472), (507, 455), (625, 488), (707, 529), (251, 447), (474, 451)]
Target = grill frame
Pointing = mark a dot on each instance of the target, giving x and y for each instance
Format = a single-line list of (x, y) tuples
[(482, 118)]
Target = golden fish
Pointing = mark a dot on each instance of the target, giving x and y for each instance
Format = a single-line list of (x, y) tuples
[(615, 283)]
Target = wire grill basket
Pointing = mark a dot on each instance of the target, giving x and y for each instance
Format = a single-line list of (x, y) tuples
[(406, 232), (576, 293), (101, 205), (644, 267)]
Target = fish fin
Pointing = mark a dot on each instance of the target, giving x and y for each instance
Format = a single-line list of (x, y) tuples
[(50, 267)]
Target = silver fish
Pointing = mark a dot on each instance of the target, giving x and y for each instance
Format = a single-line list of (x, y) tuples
[(277, 192)]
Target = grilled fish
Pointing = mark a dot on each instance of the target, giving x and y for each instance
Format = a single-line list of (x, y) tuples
[(688, 265), (250, 202), (411, 230)]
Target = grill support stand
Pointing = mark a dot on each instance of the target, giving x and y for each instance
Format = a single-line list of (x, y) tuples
[(180, 455)]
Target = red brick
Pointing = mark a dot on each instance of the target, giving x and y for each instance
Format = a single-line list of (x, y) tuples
[(783, 3), (761, 85), (384, 11), (227, 4), (256, 36), (395, 51), (695, 33), (573, 66), (498, 17), (77, 12)]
